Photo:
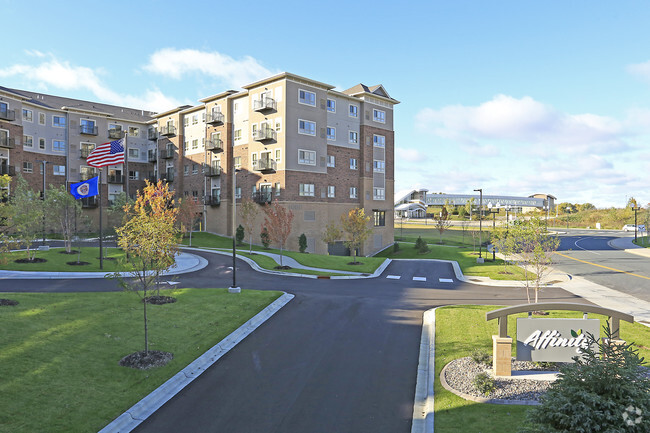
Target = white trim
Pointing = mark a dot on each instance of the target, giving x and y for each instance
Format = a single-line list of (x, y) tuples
[(23, 117), (278, 158), (61, 141), (354, 166), (44, 118), (307, 121), (356, 116), (354, 192), (310, 193), (327, 105), (374, 142), (306, 103), (356, 140), (25, 141), (310, 152), (327, 133), (59, 117), (374, 118)]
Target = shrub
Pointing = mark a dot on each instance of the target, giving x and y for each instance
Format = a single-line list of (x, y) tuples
[(302, 243), (395, 247), (418, 243), (421, 245), (266, 239), (604, 390), (481, 357), (484, 383), (239, 234)]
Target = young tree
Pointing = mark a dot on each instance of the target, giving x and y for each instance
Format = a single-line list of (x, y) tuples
[(5, 216), (469, 205), (189, 212), (356, 230), (248, 211), (264, 236), (504, 243), (277, 220), (239, 234), (331, 233), (302, 243), (26, 216), (442, 221), (149, 238), (64, 211), (116, 214)]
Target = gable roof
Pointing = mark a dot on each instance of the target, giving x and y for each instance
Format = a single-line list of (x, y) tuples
[(377, 90)]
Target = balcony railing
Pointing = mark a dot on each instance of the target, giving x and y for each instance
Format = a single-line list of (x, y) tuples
[(215, 145), (88, 129), (168, 130), (215, 118), (7, 142), (152, 134), (262, 197), (166, 153), (212, 200), (85, 151), (8, 115), (167, 177), (115, 178), (264, 104), (264, 165), (152, 179), (264, 134), (86, 175), (7, 169), (89, 202), (153, 157), (212, 171), (115, 133)]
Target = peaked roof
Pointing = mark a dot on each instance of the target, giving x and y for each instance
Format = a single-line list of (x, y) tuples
[(377, 90)]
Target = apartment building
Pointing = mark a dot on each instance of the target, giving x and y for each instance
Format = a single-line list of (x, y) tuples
[(318, 151)]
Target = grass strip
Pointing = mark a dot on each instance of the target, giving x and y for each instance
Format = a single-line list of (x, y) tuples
[(59, 352), (58, 262), (459, 331)]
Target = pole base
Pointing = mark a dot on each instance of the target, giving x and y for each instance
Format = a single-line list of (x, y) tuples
[(234, 289), (480, 260)]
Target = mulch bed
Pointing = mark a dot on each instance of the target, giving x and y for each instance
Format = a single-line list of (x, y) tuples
[(285, 267), (159, 300), (355, 263), (36, 260), (145, 360), (77, 263), (71, 252), (7, 302)]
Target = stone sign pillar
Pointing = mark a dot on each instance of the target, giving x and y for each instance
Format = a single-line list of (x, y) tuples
[(501, 354)]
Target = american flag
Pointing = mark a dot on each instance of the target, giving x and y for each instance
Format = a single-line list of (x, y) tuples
[(107, 154)]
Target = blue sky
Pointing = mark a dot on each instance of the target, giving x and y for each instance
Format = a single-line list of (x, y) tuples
[(515, 97)]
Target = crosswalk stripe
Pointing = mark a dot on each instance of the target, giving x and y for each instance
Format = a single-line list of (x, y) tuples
[(419, 278), (445, 280), (393, 277)]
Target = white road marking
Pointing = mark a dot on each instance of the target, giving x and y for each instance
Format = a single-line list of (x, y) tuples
[(445, 280), (393, 277), (584, 249), (419, 278)]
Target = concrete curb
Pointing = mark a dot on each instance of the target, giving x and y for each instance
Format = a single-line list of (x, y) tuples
[(423, 411), (152, 402)]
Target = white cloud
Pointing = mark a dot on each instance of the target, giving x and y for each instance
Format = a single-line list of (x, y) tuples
[(409, 155), (641, 70), (176, 63), (55, 73)]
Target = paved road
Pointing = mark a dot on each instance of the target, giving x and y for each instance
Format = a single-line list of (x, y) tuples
[(590, 255)]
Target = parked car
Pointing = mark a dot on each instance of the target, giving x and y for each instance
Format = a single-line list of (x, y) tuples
[(630, 228)]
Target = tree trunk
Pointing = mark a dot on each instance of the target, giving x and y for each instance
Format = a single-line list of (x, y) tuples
[(281, 255), (146, 331), (190, 237)]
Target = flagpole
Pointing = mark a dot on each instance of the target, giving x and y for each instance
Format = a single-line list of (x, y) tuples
[(126, 166), (101, 250)]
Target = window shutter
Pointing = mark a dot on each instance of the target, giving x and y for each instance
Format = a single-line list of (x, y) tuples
[(323, 161), (367, 141), (322, 133), (323, 103), (367, 115)]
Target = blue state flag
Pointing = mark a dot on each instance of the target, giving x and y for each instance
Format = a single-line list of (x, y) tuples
[(87, 188)]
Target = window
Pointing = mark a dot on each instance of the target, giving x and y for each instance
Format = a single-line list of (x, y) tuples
[(186, 146), (195, 119), (195, 144), (41, 118), (58, 121), (330, 161), (28, 141), (307, 157), (186, 169), (331, 133), (134, 153), (306, 97), (203, 117), (379, 140), (254, 159), (307, 189), (134, 131), (58, 145), (28, 115), (379, 194), (380, 218), (237, 134), (306, 127), (278, 155), (354, 165), (331, 105), (237, 162), (331, 189), (58, 170), (379, 116), (134, 175), (87, 126), (238, 192), (354, 192), (186, 121), (354, 137), (379, 166), (278, 125), (277, 188), (235, 107), (41, 143), (195, 168), (354, 111), (28, 167)]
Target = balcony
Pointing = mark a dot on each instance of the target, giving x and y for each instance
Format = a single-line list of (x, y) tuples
[(212, 171), (212, 200), (115, 178), (152, 179), (167, 177), (166, 153), (264, 104), (89, 202), (265, 165), (152, 134), (86, 175), (88, 129), (215, 145), (115, 133), (262, 197), (8, 115), (264, 134), (168, 130), (215, 118), (153, 157), (7, 142), (85, 151), (7, 169)]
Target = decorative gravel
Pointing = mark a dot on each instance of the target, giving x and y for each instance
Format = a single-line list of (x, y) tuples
[(460, 373)]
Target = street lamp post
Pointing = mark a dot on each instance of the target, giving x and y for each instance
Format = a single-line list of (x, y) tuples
[(44, 166), (480, 224), (568, 211), (507, 217), (234, 288), (635, 208)]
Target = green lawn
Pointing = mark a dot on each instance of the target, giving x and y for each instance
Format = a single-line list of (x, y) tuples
[(59, 353), (409, 232), (57, 261), (460, 330)]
